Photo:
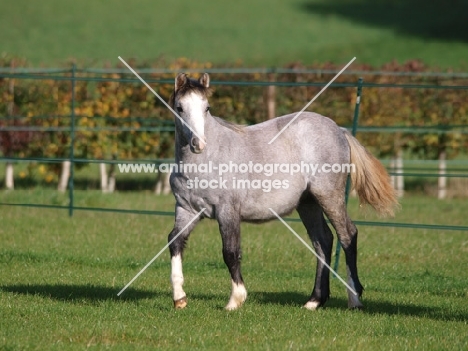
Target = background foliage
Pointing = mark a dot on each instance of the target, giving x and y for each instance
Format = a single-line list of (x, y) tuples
[(120, 120)]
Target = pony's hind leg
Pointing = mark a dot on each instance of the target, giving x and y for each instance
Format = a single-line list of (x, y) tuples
[(176, 249), (335, 209), (229, 227), (322, 239)]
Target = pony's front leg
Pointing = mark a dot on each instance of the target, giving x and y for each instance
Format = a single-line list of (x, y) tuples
[(176, 248), (229, 226)]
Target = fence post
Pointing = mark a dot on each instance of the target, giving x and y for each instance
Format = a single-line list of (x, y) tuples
[(72, 142), (348, 181), (270, 96), (399, 179), (9, 172), (442, 182)]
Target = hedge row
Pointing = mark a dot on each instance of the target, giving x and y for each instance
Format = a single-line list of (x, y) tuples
[(104, 104)]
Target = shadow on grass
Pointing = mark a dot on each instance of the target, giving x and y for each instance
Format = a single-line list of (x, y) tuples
[(92, 293), (370, 307), (436, 19), (431, 312), (78, 293)]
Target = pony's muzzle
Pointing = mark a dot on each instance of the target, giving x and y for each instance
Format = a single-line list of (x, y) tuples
[(197, 145)]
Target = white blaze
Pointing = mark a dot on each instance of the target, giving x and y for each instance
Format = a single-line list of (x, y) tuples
[(194, 106)]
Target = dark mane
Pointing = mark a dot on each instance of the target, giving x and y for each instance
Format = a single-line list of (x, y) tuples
[(238, 128), (191, 85)]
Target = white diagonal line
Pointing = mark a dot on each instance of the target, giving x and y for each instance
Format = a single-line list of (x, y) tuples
[(311, 101), (160, 98), (160, 252), (312, 250)]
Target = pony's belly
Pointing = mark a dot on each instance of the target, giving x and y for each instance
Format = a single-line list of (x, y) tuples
[(255, 198), (264, 207)]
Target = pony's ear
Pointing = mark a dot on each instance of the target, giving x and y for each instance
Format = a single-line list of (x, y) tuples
[(204, 80), (180, 81)]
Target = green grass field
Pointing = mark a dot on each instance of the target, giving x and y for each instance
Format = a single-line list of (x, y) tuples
[(59, 277), (259, 32)]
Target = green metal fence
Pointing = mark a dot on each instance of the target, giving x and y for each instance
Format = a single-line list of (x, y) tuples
[(72, 76)]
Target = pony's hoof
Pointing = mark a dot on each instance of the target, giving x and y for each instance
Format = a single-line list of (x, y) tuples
[(232, 306), (355, 305), (238, 297), (180, 303), (312, 305)]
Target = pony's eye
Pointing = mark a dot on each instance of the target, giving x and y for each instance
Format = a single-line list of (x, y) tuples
[(180, 109), (207, 109)]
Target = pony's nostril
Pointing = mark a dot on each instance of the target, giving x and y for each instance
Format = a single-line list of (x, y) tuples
[(197, 145)]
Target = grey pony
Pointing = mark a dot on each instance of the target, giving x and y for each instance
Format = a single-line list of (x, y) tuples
[(311, 139)]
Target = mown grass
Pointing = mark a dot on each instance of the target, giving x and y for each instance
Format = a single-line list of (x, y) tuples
[(59, 277), (261, 32)]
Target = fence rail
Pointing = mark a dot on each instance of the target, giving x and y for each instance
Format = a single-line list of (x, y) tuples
[(171, 214), (258, 70), (150, 80)]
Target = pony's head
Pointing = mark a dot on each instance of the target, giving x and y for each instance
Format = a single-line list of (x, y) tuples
[(190, 101)]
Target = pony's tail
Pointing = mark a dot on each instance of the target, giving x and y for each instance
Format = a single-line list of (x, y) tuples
[(370, 179)]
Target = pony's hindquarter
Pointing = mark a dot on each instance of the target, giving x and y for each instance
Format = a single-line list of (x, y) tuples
[(370, 179)]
